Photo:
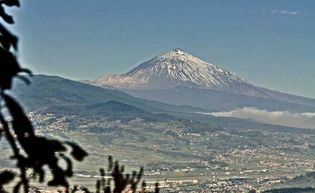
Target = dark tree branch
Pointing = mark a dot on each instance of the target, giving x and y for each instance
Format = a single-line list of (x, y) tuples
[(16, 152)]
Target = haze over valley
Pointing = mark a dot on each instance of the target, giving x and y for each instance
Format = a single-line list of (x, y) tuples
[(176, 77), (196, 121), (157, 96)]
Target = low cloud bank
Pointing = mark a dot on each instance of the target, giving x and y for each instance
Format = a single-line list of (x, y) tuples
[(285, 118), (284, 12)]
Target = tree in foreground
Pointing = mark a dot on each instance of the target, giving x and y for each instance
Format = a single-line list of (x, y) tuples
[(114, 180), (33, 153)]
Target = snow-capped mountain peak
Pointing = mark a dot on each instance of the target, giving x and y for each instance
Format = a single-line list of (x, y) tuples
[(171, 69), (178, 51)]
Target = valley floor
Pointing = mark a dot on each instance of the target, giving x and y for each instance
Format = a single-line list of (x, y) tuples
[(185, 156)]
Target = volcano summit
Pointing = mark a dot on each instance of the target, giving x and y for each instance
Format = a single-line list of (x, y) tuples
[(171, 69), (177, 77)]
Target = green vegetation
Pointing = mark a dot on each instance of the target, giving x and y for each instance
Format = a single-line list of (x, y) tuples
[(302, 181), (46, 91), (180, 145), (172, 142), (292, 190)]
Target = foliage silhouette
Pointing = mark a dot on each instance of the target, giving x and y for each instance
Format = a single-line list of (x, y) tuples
[(116, 181), (31, 152)]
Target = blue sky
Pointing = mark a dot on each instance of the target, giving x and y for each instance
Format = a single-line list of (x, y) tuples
[(269, 43)]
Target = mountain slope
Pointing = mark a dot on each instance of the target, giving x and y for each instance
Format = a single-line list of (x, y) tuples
[(216, 100), (111, 110), (176, 77), (51, 91), (173, 68)]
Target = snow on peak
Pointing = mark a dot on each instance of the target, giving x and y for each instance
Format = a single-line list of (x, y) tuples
[(178, 51), (171, 69)]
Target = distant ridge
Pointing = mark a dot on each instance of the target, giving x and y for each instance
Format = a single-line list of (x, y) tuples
[(49, 92)]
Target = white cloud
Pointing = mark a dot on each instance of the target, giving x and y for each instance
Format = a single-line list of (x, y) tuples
[(274, 12), (284, 12), (285, 118)]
